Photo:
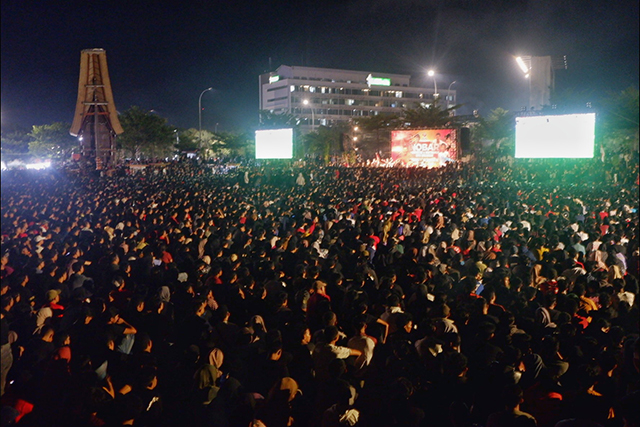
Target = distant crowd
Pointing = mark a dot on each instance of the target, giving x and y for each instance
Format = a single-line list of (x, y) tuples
[(478, 294)]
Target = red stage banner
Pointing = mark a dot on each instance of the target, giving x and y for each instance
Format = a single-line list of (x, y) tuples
[(429, 148)]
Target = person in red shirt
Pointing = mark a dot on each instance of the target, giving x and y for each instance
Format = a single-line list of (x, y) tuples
[(317, 297)]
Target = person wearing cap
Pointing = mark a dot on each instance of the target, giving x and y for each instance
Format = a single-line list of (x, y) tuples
[(51, 309)]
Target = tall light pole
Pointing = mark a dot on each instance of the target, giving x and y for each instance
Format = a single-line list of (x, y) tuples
[(452, 83), (432, 73), (313, 116), (449, 91), (200, 114)]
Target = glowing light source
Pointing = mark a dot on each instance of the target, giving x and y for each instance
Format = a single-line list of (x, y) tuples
[(38, 166), (378, 81), (522, 66), (432, 73)]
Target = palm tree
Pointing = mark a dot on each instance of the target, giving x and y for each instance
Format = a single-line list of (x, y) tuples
[(372, 131), (431, 116), (326, 141)]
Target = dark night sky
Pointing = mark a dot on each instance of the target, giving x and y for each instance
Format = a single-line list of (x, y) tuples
[(162, 54)]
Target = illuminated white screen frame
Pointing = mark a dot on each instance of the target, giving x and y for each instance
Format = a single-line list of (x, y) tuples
[(561, 136), (274, 144)]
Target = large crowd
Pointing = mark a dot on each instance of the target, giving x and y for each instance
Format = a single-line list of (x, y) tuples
[(478, 294)]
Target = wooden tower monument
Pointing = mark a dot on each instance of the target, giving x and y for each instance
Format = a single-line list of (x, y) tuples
[(96, 121)]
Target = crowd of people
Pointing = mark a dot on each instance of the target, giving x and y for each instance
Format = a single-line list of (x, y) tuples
[(478, 294)]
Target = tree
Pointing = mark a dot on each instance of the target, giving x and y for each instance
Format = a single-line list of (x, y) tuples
[(270, 120), (52, 141), (15, 140), (145, 134), (617, 127), (239, 144), (498, 128), (431, 116), (186, 140), (326, 141), (204, 142), (374, 132)]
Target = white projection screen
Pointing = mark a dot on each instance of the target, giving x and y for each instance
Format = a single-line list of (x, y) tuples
[(274, 144), (563, 136)]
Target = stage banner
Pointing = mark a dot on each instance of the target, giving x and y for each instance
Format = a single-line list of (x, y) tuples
[(429, 148)]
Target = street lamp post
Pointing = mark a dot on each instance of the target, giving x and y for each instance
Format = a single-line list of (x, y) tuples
[(200, 114), (449, 90), (432, 73), (313, 116), (452, 83)]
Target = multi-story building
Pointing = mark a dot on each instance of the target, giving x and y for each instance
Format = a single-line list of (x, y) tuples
[(323, 96)]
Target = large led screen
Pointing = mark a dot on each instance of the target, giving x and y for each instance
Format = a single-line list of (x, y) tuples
[(274, 144), (429, 148), (565, 136)]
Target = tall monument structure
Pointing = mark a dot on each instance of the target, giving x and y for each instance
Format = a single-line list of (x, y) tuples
[(96, 121)]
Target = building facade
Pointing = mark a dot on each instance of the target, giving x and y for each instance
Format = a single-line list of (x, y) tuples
[(324, 97)]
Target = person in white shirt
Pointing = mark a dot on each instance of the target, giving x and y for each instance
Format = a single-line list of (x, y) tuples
[(622, 294), (326, 352), (363, 342)]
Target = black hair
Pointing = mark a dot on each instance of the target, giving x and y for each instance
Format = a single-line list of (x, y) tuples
[(330, 333)]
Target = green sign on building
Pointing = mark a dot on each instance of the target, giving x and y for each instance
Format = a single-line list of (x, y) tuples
[(378, 81)]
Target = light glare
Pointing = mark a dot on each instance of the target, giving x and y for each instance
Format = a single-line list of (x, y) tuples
[(522, 65)]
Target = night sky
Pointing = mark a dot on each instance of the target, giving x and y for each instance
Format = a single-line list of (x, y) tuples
[(162, 54)]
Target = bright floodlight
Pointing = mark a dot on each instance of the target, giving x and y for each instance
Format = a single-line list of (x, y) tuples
[(431, 73), (305, 102), (38, 165), (522, 65)]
